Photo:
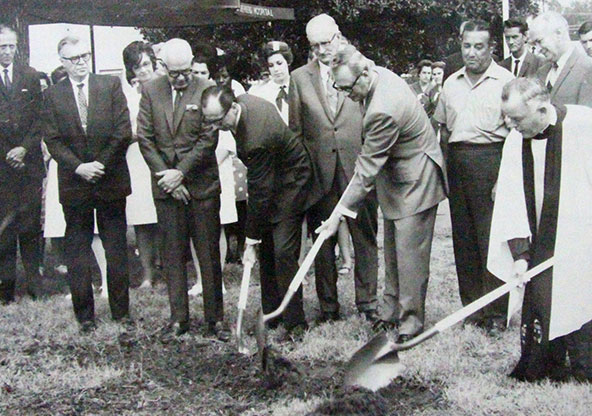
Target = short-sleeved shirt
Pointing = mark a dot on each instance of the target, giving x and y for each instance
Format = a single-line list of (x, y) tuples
[(472, 113)]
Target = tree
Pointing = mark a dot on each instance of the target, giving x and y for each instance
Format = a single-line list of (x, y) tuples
[(394, 33)]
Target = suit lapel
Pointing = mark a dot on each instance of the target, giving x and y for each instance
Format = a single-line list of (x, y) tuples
[(93, 92), (167, 97), (317, 82), (16, 81), (566, 70), (525, 65), (185, 99)]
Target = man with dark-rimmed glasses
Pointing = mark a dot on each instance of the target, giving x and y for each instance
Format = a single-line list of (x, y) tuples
[(87, 132), (180, 152), (402, 161)]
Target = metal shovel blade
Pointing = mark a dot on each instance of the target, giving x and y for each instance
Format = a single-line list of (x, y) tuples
[(364, 370)]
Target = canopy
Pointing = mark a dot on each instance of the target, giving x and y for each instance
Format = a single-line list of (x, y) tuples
[(143, 13)]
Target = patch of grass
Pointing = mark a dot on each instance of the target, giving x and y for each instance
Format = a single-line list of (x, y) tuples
[(48, 368)]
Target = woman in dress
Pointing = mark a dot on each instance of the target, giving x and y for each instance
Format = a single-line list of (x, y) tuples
[(140, 63)]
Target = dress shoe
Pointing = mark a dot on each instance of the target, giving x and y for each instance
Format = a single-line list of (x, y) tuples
[(328, 317), (382, 325), (371, 315), (88, 327), (495, 325), (220, 330), (403, 338), (180, 328)]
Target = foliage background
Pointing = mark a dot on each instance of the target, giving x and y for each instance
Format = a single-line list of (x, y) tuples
[(394, 33)]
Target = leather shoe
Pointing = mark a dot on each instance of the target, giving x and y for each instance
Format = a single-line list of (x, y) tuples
[(220, 330), (180, 328), (402, 338), (328, 317), (371, 316), (87, 327), (381, 325)]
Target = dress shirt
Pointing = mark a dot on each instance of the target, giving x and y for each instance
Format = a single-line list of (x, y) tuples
[(472, 112), (84, 90), (10, 69), (520, 60), (558, 67), (324, 75), (269, 92)]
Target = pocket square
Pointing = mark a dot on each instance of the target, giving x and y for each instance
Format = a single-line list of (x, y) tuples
[(191, 107), (24, 90)]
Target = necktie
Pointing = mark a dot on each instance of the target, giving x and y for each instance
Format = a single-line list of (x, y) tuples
[(331, 94), (281, 97), (82, 106), (552, 76), (7, 83), (516, 63), (177, 104)]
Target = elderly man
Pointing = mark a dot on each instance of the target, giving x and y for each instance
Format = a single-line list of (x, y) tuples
[(568, 72), (331, 127), (88, 132), (401, 158), (521, 62), (542, 210), (585, 33), (21, 168), (469, 113), (185, 185), (278, 170)]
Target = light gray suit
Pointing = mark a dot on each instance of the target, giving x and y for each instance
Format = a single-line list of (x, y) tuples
[(574, 83), (334, 142), (401, 158)]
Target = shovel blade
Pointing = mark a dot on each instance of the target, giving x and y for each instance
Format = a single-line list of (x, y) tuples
[(261, 336), (374, 365)]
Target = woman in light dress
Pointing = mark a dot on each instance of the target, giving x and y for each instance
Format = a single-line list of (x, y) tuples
[(140, 63)]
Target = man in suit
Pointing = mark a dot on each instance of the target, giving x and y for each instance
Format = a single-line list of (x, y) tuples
[(331, 127), (402, 160), (87, 132), (185, 185), (568, 72), (278, 171), (585, 33), (21, 168), (521, 62)]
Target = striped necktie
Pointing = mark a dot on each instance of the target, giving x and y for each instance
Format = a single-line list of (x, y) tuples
[(82, 106)]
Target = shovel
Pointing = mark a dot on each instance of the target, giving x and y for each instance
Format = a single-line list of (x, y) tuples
[(375, 364), (294, 285), (242, 305)]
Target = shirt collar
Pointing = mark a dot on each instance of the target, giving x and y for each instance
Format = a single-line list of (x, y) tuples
[(10, 69), (324, 69), (238, 116), (521, 57), (563, 58), (76, 83), (493, 71)]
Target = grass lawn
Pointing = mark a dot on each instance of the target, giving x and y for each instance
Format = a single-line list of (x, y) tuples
[(47, 368)]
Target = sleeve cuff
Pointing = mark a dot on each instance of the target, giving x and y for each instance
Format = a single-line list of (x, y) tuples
[(251, 241), (346, 211)]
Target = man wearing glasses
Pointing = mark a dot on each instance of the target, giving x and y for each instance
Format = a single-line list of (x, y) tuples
[(331, 127), (88, 132), (278, 170), (402, 160), (185, 185)]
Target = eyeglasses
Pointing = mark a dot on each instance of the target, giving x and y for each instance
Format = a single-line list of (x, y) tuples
[(75, 60), (215, 121), (177, 74), (347, 88), (324, 44)]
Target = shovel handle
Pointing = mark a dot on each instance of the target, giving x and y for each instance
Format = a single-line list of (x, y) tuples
[(244, 289), (299, 277), (473, 306)]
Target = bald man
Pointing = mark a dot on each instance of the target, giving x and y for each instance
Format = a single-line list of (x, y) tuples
[(568, 71), (185, 185)]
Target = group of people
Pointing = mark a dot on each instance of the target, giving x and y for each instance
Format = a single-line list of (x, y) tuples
[(325, 146)]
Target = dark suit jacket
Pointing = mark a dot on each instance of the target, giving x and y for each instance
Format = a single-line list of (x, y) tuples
[(324, 135), (529, 67), (401, 156), (574, 83), (107, 137), (278, 166), (20, 125), (177, 141)]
